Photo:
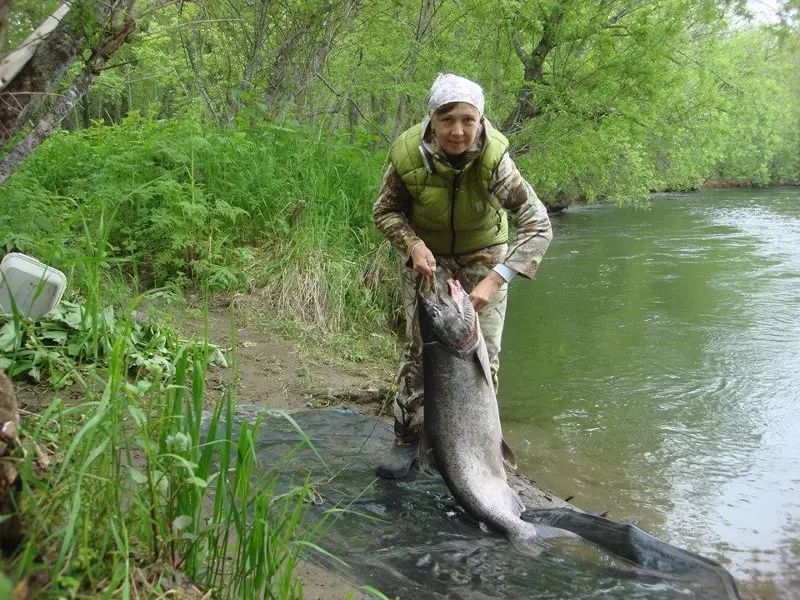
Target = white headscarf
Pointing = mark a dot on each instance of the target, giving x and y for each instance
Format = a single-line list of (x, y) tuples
[(449, 88)]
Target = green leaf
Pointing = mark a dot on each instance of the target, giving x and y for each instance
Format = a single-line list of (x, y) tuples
[(217, 358), (197, 481), (138, 476), (147, 445), (6, 587), (58, 336), (8, 337), (319, 549), (137, 415), (181, 522), (143, 386), (73, 315)]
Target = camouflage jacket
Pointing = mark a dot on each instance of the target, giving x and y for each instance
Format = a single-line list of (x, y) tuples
[(533, 231)]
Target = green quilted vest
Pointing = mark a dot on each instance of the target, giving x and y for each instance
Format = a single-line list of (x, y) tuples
[(453, 211)]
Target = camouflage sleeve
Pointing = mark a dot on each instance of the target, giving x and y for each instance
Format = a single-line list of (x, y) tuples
[(527, 212), (389, 213)]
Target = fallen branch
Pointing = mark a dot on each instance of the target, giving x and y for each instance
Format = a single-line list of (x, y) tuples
[(366, 395), (13, 63)]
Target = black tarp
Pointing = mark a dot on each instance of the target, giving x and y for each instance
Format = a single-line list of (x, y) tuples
[(410, 539)]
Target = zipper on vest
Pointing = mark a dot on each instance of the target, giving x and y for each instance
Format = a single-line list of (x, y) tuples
[(453, 192)]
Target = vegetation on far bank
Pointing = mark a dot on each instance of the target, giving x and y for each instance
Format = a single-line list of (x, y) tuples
[(602, 100)]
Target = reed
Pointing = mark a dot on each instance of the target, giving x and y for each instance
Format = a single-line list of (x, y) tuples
[(146, 479)]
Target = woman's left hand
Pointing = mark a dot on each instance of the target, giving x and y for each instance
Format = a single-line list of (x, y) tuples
[(483, 293)]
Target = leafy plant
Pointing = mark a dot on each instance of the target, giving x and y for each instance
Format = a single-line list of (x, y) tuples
[(149, 488), (69, 341)]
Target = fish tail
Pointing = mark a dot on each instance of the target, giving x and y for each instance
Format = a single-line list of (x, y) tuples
[(527, 537)]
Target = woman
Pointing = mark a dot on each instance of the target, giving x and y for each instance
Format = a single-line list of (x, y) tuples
[(443, 205)]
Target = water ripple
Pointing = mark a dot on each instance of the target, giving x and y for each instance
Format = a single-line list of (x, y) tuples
[(654, 369)]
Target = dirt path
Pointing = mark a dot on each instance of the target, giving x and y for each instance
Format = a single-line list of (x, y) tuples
[(278, 373)]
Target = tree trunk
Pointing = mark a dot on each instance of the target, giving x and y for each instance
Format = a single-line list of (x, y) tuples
[(426, 12), (86, 111), (110, 43), (379, 117), (352, 118), (36, 68), (5, 5), (526, 107), (191, 58)]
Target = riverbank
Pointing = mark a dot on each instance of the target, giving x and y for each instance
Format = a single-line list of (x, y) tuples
[(274, 371), (265, 369)]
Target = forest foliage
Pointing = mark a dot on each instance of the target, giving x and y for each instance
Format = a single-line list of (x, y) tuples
[(601, 99)]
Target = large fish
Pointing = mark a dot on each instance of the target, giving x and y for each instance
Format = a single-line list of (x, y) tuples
[(462, 437)]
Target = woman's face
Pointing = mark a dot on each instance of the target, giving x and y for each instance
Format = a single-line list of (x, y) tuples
[(455, 126)]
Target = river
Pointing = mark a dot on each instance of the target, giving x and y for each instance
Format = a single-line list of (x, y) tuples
[(652, 369)]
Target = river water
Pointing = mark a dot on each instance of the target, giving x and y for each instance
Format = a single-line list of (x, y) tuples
[(652, 370)]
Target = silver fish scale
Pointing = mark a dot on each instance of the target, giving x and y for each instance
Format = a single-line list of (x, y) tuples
[(462, 428)]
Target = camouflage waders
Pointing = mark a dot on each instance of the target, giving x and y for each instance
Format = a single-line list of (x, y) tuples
[(468, 269)]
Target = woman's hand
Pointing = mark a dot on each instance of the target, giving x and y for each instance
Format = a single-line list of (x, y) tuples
[(423, 260), (483, 293)]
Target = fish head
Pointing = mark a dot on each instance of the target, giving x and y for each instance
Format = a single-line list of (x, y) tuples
[(449, 318)]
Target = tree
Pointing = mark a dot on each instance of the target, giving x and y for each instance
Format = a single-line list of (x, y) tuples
[(260, 54), (37, 68)]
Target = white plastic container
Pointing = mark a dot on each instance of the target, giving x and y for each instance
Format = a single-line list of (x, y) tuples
[(35, 287)]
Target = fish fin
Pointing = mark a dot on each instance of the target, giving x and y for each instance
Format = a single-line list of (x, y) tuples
[(482, 358), (527, 537), (515, 503), (508, 455), (427, 460)]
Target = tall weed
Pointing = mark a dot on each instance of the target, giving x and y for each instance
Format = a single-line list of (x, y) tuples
[(283, 208), (148, 487)]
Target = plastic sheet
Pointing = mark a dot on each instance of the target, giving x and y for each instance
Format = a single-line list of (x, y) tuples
[(410, 539)]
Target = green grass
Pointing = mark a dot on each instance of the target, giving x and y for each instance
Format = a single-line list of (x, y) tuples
[(143, 479), (281, 210), (156, 211), (134, 485)]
